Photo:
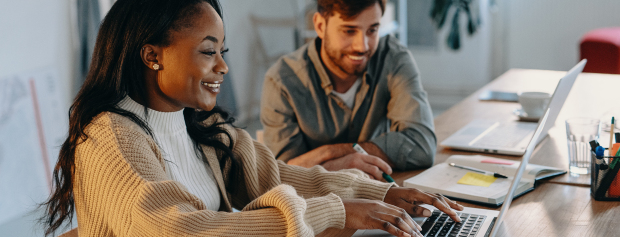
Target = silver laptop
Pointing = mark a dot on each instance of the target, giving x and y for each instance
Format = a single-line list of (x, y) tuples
[(511, 137), (475, 222)]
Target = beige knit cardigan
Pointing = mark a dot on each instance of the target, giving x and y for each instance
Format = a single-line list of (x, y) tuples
[(121, 188)]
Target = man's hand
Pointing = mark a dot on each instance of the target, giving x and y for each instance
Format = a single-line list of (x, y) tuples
[(371, 214), (372, 165), (411, 198)]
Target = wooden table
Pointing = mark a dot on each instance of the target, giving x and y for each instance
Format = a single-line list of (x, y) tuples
[(561, 206)]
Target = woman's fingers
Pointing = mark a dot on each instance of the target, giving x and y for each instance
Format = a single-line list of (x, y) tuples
[(392, 229), (414, 197), (441, 203), (400, 218), (453, 204), (416, 210)]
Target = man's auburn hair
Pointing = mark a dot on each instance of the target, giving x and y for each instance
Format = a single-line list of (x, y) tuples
[(347, 8)]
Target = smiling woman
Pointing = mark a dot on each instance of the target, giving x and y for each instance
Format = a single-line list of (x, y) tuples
[(192, 66), (149, 153)]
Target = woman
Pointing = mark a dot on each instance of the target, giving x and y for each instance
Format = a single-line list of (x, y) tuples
[(148, 153)]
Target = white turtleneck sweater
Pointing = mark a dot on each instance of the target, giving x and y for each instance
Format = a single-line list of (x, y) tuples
[(178, 148)]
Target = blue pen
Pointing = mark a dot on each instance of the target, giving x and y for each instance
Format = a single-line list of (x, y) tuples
[(600, 154), (359, 149), (601, 166)]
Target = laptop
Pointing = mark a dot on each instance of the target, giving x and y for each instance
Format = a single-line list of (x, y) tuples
[(475, 222), (491, 136)]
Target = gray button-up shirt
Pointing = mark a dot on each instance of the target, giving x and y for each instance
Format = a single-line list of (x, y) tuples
[(299, 112)]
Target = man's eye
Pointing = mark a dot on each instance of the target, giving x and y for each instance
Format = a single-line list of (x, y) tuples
[(349, 31)]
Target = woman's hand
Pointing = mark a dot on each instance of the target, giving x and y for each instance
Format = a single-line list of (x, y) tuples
[(371, 214), (411, 198)]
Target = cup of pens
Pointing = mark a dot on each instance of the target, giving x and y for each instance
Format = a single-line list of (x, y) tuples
[(605, 181), (579, 131)]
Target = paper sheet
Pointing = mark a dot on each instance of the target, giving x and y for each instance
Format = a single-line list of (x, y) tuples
[(477, 179)]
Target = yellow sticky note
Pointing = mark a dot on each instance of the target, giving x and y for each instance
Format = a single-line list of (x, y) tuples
[(477, 179)]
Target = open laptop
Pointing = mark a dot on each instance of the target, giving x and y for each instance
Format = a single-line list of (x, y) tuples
[(475, 222), (511, 137)]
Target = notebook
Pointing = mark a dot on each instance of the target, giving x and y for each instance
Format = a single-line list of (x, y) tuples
[(462, 184), (511, 137), (476, 222)]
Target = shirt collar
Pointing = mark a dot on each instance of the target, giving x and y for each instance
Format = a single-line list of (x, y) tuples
[(313, 53)]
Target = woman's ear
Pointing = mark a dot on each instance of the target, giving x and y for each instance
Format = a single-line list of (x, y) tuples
[(150, 54)]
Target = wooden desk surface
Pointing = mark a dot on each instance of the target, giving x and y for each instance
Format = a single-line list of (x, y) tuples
[(561, 206), (591, 96), (560, 210)]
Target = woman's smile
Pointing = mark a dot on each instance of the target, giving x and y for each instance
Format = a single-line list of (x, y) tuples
[(213, 87)]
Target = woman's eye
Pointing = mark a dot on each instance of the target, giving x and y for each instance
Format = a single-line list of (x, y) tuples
[(210, 53), (223, 52)]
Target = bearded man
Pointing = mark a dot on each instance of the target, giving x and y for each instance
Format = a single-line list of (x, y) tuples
[(348, 86)]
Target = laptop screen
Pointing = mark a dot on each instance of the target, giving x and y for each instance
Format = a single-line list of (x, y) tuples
[(559, 96), (526, 157)]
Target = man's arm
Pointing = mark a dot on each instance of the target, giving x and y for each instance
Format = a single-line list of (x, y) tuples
[(282, 133), (340, 156), (411, 142)]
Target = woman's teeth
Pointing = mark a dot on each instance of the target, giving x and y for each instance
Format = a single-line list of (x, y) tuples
[(212, 85)]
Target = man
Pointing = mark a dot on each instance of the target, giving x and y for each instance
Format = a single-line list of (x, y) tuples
[(348, 86)]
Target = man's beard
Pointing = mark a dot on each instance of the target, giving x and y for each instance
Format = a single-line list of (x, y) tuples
[(338, 59)]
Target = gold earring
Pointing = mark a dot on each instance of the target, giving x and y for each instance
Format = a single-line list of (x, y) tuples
[(156, 67)]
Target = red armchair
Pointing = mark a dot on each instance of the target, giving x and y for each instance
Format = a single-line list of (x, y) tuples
[(602, 49)]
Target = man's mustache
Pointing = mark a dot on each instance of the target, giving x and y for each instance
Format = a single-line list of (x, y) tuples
[(356, 53)]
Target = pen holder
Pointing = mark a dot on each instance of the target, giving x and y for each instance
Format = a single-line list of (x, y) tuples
[(605, 181)]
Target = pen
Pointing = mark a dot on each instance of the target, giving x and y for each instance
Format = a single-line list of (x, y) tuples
[(594, 144), (611, 134), (600, 154), (359, 149), (497, 175)]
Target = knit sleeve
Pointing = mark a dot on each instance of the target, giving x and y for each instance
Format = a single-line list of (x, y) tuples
[(345, 183), (121, 189), (309, 182)]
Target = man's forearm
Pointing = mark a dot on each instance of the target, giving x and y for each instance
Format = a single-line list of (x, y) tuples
[(327, 152), (318, 155)]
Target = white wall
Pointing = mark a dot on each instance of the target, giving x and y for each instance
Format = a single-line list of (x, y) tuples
[(448, 76), (35, 35), (545, 34), (240, 38), (536, 34)]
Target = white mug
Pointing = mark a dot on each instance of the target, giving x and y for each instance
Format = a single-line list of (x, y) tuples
[(534, 103)]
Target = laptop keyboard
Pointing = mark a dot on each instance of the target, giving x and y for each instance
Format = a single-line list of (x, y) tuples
[(439, 224)]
